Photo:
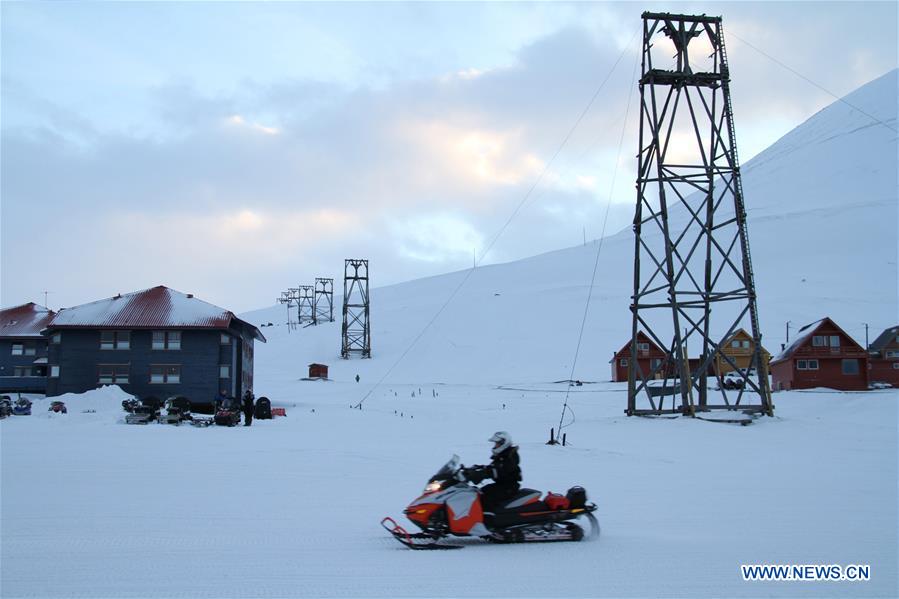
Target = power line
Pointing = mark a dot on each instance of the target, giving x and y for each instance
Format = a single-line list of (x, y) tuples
[(503, 228), (602, 236), (821, 87)]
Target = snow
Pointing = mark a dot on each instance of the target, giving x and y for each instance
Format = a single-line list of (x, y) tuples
[(290, 507)]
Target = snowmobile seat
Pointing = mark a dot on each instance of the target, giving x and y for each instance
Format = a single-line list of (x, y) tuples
[(524, 500)]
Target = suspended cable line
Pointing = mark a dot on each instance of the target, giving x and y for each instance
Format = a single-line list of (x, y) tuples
[(502, 229), (821, 87), (602, 237)]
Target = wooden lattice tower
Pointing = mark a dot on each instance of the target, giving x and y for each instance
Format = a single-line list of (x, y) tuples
[(356, 326), (693, 279)]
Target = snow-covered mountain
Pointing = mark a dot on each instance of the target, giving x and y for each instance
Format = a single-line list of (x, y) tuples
[(822, 208)]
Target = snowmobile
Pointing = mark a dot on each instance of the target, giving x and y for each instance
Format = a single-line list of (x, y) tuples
[(177, 410), (130, 404), (22, 407), (58, 407), (141, 415), (5, 407), (451, 505), (263, 409), (229, 413)]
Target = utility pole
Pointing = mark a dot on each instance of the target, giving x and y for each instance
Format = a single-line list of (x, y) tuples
[(788, 330), (866, 335)]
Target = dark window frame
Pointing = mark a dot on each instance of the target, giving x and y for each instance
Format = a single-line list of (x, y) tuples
[(116, 374), (121, 340), (847, 361), (164, 372), (167, 340)]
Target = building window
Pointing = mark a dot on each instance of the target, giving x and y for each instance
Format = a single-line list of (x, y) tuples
[(813, 364), (54, 372), (56, 338), (895, 365), (112, 374), (18, 349), (735, 343), (834, 341), (167, 340), (745, 344), (807, 364), (892, 353), (24, 349), (165, 373), (22, 371), (643, 347), (622, 362), (225, 339), (850, 366), (115, 339), (819, 340), (655, 363), (224, 372)]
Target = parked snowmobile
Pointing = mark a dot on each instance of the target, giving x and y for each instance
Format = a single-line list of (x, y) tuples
[(130, 404), (263, 410), (451, 505), (5, 407), (177, 410), (141, 415), (144, 413), (22, 407), (58, 407), (228, 413)]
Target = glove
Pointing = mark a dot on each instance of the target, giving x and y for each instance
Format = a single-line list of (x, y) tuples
[(476, 473)]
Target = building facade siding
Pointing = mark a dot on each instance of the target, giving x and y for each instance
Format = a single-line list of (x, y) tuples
[(75, 363)]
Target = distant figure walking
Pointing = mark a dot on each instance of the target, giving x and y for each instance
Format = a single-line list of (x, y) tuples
[(357, 378), (248, 408)]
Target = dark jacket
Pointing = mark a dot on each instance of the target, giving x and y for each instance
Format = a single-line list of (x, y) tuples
[(248, 402), (503, 469)]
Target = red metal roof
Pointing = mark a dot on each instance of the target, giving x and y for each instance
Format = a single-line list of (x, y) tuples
[(158, 307), (27, 320)]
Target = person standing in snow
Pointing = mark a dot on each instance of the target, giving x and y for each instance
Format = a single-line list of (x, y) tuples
[(248, 408), (504, 469)]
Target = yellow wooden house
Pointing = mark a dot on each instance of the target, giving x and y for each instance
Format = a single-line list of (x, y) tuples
[(738, 348)]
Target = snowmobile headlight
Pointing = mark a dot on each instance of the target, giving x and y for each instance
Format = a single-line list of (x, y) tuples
[(432, 486)]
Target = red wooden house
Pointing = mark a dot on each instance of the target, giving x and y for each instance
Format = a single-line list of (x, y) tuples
[(649, 355), (823, 355), (318, 371), (883, 358)]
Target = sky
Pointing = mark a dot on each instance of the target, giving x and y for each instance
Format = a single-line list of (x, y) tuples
[(233, 150)]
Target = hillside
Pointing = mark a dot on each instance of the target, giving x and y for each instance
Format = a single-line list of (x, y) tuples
[(822, 207)]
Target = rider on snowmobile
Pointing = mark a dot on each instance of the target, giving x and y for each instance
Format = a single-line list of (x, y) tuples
[(503, 469)]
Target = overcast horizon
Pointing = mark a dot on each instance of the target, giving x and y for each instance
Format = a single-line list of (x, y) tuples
[(234, 150)]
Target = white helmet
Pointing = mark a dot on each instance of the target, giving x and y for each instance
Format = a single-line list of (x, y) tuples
[(501, 441)]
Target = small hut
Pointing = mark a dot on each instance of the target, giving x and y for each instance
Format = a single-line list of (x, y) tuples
[(318, 371)]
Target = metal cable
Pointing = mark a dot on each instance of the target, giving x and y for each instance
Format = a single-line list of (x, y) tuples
[(822, 88), (503, 228), (598, 253)]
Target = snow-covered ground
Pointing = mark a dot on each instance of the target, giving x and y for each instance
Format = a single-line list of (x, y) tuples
[(94, 508), (290, 507)]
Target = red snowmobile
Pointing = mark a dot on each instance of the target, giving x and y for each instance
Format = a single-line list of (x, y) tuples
[(451, 505)]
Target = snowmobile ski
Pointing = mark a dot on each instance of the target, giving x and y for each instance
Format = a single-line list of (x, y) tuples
[(413, 540)]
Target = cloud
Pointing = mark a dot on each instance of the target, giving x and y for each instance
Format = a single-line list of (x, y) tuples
[(284, 175)]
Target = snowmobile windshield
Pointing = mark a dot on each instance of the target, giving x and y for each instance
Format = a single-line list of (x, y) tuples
[(448, 470)]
